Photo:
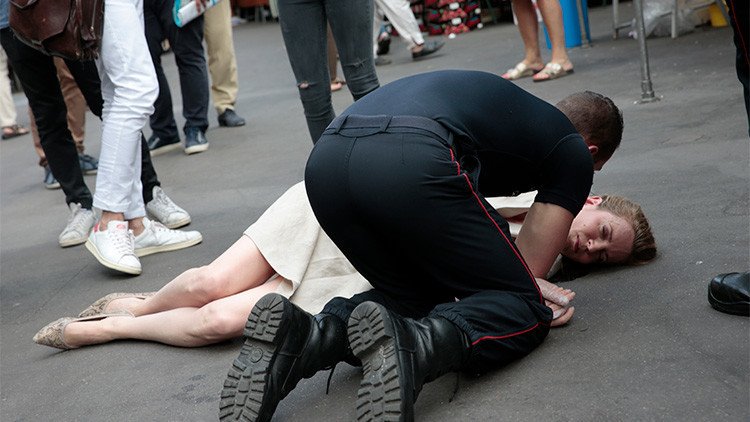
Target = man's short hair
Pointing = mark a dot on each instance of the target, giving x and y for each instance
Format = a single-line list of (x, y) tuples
[(596, 118), (644, 244)]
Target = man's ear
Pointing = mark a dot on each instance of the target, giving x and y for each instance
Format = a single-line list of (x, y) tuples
[(594, 200), (593, 149)]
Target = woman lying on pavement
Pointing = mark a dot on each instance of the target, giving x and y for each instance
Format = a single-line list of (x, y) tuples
[(285, 251)]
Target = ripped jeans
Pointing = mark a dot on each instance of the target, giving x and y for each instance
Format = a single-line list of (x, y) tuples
[(303, 25)]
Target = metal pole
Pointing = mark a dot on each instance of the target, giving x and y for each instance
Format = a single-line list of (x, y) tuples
[(615, 18), (647, 90)]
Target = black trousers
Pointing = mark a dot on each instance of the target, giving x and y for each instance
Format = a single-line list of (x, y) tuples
[(402, 205), (187, 47), (38, 77)]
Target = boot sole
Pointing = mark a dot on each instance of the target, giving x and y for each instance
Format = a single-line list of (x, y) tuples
[(373, 341), (244, 387)]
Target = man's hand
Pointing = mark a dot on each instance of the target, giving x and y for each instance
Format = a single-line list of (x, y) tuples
[(557, 299), (200, 5)]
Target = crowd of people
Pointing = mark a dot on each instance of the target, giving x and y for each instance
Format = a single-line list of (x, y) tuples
[(424, 217)]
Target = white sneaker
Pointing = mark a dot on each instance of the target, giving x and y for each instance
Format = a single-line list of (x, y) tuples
[(114, 247), (157, 238), (167, 212), (79, 225)]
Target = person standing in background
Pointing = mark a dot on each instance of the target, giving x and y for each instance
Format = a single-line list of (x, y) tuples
[(129, 88), (402, 18), (75, 103), (528, 26), (222, 63), (303, 25), (8, 114), (187, 45)]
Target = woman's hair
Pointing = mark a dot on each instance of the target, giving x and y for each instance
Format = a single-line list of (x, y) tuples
[(644, 245), (596, 118)]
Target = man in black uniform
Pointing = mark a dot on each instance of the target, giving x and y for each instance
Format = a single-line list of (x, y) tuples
[(398, 182)]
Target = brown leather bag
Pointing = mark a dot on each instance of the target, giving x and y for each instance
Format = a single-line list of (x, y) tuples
[(71, 29)]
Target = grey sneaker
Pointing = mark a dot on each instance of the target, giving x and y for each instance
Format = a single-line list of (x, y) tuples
[(162, 209), (79, 226), (157, 238)]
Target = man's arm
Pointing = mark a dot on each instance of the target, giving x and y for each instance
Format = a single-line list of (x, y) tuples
[(543, 235)]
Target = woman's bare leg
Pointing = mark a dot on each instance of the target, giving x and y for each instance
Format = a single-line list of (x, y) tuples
[(239, 268), (218, 320), (552, 16), (529, 29)]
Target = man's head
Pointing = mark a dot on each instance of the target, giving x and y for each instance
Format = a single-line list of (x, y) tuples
[(610, 229), (598, 120)]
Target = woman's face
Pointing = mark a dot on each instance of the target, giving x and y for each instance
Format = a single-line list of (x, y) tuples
[(598, 236)]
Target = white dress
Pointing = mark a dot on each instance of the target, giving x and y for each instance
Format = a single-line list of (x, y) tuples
[(290, 238)]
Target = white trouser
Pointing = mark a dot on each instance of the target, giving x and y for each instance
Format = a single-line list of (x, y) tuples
[(7, 107), (129, 89), (402, 18)]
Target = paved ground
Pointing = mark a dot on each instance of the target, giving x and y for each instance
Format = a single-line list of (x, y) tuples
[(644, 344)]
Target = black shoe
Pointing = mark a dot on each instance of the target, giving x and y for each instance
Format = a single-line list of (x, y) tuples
[(399, 355), (157, 145), (427, 49), (730, 293), (283, 344), (195, 141), (230, 119), (382, 61)]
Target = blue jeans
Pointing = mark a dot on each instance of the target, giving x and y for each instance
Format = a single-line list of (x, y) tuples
[(303, 25)]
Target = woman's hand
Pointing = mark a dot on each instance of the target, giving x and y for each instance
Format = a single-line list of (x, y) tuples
[(560, 315), (557, 299)]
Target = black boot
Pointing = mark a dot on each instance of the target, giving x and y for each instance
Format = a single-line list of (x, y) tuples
[(283, 344), (399, 355)]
